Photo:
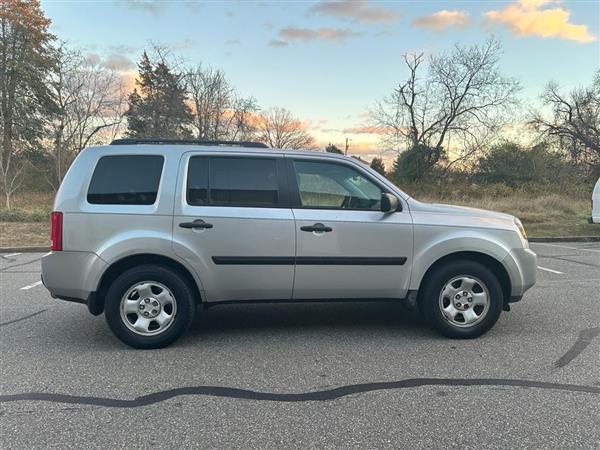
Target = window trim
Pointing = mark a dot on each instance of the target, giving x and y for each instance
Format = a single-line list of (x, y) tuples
[(126, 205), (283, 191), (296, 200)]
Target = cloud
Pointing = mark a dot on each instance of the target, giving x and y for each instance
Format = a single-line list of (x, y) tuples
[(442, 20), (357, 10), (118, 62), (235, 41), (538, 19), (277, 43), (153, 7), (364, 129), (311, 34)]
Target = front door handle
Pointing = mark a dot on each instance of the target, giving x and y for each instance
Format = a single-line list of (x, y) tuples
[(317, 228), (197, 224)]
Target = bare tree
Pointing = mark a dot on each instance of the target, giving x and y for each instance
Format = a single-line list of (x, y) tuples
[(461, 98), (219, 113), (574, 121), (212, 98), (90, 105), (278, 128)]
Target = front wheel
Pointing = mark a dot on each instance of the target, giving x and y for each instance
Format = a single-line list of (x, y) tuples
[(149, 306), (462, 299)]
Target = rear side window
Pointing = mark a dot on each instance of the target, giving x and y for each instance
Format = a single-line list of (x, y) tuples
[(226, 181), (126, 180)]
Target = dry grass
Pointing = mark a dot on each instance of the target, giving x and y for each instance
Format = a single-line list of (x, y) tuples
[(543, 212), (26, 234)]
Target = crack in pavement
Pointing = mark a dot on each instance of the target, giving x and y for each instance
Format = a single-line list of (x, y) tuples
[(4, 269), (570, 260), (584, 339), (23, 318), (323, 395)]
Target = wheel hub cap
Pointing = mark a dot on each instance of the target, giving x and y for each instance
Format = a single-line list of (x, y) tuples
[(464, 301), (148, 308)]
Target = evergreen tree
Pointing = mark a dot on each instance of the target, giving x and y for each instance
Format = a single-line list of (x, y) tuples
[(26, 58), (333, 149), (378, 166), (157, 105)]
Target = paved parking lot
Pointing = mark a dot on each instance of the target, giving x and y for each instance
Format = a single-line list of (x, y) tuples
[(307, 375)]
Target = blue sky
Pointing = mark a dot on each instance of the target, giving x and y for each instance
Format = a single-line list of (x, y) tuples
[(328, 63)]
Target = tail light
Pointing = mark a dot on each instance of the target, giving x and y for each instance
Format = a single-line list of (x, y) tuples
[(56, 220)]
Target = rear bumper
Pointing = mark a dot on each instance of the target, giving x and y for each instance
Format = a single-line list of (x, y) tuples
[(72, 276), (522, 265)]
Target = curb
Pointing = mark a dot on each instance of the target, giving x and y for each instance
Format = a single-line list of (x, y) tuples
[(531, 239), (566, 239), (24, 249)]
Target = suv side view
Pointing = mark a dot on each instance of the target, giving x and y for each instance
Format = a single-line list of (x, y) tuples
[(147, 231)]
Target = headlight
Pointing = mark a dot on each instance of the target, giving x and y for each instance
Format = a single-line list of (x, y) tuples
[(521, 228)]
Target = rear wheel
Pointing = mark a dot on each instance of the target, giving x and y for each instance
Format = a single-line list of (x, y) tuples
[(149, 306), (462, 299)]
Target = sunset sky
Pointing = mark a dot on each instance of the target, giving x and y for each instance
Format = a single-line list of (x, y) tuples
[(329, 62)]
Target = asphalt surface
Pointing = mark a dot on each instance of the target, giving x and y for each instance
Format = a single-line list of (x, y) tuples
[(307, 375)]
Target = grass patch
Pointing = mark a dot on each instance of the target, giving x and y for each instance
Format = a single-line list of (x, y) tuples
[(28, 207), (24, 234)]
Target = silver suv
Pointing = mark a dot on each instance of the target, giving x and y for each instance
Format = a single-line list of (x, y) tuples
[(147, 231)]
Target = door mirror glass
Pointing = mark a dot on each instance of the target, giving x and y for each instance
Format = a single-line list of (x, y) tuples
[(389, 202)]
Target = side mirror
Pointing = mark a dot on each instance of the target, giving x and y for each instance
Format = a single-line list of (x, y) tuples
[(389, 202)]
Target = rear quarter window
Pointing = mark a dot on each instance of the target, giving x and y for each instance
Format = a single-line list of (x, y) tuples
[(126, 180)]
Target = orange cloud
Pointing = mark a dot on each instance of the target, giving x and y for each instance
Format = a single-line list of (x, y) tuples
[(535, 19), (442, 20), (358, 10)]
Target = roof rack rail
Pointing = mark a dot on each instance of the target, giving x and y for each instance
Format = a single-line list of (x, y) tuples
[(133, 141)]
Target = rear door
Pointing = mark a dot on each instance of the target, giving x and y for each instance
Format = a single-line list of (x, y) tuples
[(234, 225), (346, 247)]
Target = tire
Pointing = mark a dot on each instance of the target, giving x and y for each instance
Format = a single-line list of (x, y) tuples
[(462, 299), (149, 306)]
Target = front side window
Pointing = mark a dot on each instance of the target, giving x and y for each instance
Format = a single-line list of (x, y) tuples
[(335, 186), (230, 181), (126, 180)]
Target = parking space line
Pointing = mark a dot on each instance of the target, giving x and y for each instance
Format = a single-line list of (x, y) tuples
[(550, 270), (11, 254), (29, 286), (570, 248)]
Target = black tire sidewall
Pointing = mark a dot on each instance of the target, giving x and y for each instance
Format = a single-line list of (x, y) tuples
[(429, 301), (164, 275)]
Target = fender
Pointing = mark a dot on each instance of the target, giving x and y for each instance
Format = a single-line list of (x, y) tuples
[(461, 240)]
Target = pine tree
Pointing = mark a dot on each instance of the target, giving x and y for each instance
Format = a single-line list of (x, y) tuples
[(157, 105), (333, 149), (378, 166)]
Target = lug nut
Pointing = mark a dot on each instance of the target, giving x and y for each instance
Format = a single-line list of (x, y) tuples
[(459, 304), (147, 300), (457, 296), (465, 294), (141, 306), (155, 303), (146, 314)]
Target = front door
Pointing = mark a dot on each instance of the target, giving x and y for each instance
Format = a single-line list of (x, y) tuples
[(233, 225), (346, 247)]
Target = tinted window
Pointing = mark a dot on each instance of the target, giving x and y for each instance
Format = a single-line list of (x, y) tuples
[(232, 181), (126, 180), (335, 186)]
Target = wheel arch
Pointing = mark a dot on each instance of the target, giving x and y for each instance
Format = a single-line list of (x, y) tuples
[(484, 259), (96, 305)]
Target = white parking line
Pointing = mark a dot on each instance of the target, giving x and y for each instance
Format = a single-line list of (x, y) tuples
[(550, 270), (570, 248), (29, 286), (12, 254)]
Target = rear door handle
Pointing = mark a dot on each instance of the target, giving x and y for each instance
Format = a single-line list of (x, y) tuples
[(197, 224), (317, 227)]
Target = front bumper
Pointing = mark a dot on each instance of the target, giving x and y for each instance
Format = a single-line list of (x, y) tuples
[(72, 276), (522, 269)]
